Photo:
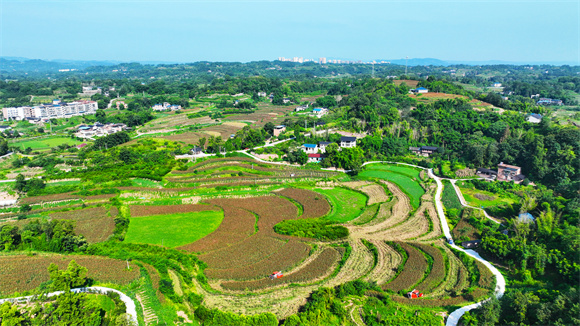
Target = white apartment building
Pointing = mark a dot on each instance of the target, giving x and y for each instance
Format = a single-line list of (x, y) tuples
[(57, 109)]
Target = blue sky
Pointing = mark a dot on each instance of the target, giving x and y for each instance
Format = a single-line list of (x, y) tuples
[(188, 31)]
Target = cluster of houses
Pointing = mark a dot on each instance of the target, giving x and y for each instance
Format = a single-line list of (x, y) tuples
[(166, 106), (44, 112), (549, 101), (99, 130), (505, 172), (423, 150), (316, 151)]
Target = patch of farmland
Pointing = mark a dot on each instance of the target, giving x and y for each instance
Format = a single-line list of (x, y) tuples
[(291, 254), (313, 204), (486, 277), (24, 273), (411, 227), (346, 204), (145, 210), (387, 263), (247, 252), (93, 223), (413, 271), (316, 269), (431, 214), (405, 181), (173, 230), (237, 225), (375, 193), (369, 213), (48, 198), (190, 138), (437, 273), (223, 130), (358, 264)]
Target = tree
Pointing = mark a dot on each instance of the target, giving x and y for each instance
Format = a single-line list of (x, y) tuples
[(101, 116), (269, 128), (11, 316), (20, 184), (74, 276)]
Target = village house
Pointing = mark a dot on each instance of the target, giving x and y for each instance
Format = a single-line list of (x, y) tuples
[(322, 146), (471, 244), (278, 130), (315, 158), (301, 108), (347, 142), (319, 112), (534, 118), (420, 90), (310, 148), (166, 106), (507, 172)]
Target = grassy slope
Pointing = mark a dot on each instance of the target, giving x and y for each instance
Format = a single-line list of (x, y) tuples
[(404, 177), (46, 143), (173, 229), (346, 204)]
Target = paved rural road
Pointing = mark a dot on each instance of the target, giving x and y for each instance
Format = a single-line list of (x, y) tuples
[(129, 303), (464, 203)]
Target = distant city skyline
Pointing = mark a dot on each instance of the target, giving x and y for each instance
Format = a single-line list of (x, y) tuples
[(242, 31)]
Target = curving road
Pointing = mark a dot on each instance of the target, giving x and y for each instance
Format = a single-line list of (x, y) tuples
[(129, 303)]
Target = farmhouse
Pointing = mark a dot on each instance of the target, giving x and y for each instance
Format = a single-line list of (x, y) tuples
[(526, 218), (319, 112), (310, 148), (315, 158), (347, 142), (549, 101), (100, 130), (196, 150), (507, 172), (428, 150), (279, 130), (322, 146), (496, 84), (486, 173), (301, 108), (166, 106), (415, 150), (534, 118), (420, 90)]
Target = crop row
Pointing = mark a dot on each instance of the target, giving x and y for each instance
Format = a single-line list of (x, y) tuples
[(375, 193), (24, 273), (413, 270), (144, 210), (317, 268), (475, 295), (237, 225), (313, 204), (247, 252), (486, 277), (292, 253), (437, 273)]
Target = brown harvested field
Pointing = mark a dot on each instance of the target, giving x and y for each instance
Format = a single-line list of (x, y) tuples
[(316, 269), (48, 198), (237, 225), (223, 130), (175, 120), (437, 273), (94, 223), (247, 252), (313, 204), (144, 210), (413, 271), (24, 273), (266, 112), (359, 263), (410, 83), (367, 215), (190, 138), (486, 277), (291, 254), (376, 194), (411, 228)]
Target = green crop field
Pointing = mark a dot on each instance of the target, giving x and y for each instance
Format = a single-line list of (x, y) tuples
[(346, 204), (173, 230), (486, 199), (45, 143), (406, 178)]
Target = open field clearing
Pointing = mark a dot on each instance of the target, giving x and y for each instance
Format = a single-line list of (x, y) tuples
[(313, 204), (24, 273), (173, 121), (265, 112), (292, 253), (369, 213), (237, 225), (145, 210), (45, 143), (346, 204), (376, 194), (413, 271), (173, 230), (410, 185), (316, 269), (481, 198)]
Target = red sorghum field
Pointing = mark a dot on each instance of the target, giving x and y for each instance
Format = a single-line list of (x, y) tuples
[(437, 273), (23, 273), (292, 253), (144, 210), (94, 223), (313, 204), (247, 252), (413, 270)]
